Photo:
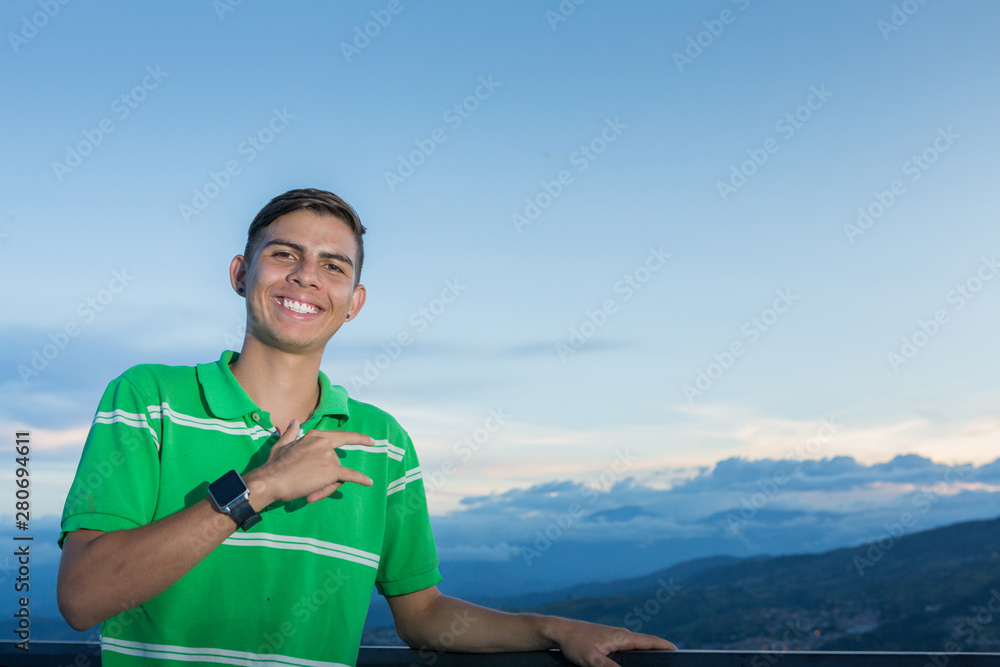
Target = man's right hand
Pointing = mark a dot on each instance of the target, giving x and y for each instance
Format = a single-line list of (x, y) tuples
[(102, 574), (304, 467)]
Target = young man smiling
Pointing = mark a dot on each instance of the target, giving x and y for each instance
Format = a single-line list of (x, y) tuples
[(208, 524)]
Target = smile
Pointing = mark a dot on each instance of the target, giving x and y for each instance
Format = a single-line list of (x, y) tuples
[(298, 306)]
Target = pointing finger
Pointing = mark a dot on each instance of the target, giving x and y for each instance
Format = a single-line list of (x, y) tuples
[(347, 475), (289, 435), (351, 438)]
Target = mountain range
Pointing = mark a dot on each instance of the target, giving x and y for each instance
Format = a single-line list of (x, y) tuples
[(937, 590)]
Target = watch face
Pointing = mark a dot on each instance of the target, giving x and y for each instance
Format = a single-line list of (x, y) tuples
[(227, 488)]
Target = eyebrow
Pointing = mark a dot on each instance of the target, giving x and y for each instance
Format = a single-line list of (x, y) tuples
[(302, 251)]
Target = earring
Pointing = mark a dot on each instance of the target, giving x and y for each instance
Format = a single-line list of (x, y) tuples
[(348, 316), (240, 290)]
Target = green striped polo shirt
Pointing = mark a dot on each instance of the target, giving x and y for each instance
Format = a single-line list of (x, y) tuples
[(294, 589)]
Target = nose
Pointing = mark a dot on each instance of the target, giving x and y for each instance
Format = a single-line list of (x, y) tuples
[(305, 274)]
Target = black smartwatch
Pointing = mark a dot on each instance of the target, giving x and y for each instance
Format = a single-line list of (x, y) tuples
[(230, 494)]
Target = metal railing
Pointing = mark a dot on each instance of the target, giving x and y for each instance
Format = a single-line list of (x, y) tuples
[(69, 654)]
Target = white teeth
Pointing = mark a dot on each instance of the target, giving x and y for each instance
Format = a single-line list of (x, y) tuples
[(292, 304)]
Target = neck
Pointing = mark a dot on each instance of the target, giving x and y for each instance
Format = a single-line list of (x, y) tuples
[(280, 382)]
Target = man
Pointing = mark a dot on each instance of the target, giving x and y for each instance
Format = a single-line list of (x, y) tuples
[(209, 522)]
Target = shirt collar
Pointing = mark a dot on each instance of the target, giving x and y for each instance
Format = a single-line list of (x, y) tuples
[(226, 398)]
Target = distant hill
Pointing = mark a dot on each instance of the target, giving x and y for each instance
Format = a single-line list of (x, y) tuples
[(937, 590), (679, 572)]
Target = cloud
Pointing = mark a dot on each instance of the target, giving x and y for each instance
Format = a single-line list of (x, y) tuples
[(727, 429), (840, 473), (767, 506)]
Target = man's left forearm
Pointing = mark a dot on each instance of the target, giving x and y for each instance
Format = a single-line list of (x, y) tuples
[(444, 623), (428, 619)]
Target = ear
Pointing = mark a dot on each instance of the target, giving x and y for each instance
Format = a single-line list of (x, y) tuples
[(357, 301), (238, 273)]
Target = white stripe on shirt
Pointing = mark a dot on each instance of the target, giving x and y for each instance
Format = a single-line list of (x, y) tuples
[(400, 484), (380, 447), (303, 544), (217, 655), (208, 424), (128, 418)]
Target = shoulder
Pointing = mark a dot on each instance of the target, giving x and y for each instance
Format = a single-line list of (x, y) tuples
[(152, 383), (371, 413), (147, 372), (157, 375)]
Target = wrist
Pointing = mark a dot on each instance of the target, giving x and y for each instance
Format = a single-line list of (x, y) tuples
[(260, 490), (549, 629), (231, 495)]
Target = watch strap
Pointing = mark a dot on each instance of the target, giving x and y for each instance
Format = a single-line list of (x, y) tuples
[(243, 513)]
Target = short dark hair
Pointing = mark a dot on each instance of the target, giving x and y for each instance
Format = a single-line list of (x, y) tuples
[(320, 202)]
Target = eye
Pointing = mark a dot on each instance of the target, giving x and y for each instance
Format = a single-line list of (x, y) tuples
[(334, 267), (281, 253)]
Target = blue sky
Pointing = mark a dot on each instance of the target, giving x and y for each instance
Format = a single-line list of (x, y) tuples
[(818, 107)]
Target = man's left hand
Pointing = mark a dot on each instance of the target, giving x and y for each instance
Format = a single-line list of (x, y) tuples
[(588, 644)]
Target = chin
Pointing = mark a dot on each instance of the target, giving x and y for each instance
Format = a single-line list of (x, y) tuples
[(293, 345)]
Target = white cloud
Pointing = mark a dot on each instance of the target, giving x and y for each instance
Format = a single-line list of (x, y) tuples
[(779, 506)]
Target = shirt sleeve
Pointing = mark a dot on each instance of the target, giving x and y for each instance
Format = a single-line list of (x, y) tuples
[(116, 483), (409, 560)]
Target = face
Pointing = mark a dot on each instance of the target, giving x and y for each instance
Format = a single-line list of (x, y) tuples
[(300, 285)]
